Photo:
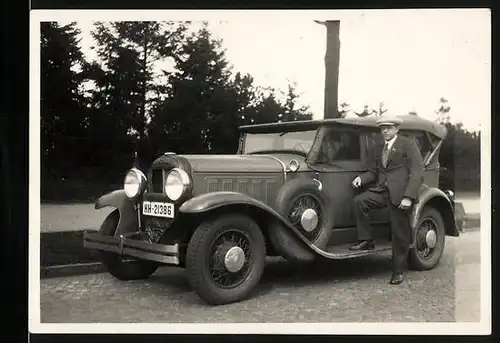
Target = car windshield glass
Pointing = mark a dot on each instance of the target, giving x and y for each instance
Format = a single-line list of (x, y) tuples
[(297, 141)]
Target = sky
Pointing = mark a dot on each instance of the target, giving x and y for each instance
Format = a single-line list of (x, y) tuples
[(407, 59)]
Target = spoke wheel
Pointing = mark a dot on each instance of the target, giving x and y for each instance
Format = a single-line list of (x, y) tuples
[(306, 215), (429, 240), (426, 238), (225, 258), (230, 258)]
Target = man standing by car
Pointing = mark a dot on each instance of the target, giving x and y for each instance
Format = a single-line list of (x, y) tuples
[(396, 169)]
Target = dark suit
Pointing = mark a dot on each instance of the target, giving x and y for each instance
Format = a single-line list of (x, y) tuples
[(400, 178)]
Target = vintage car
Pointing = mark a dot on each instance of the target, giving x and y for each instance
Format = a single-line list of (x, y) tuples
[(283, 193)]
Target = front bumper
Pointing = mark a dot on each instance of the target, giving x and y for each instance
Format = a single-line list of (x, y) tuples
[(167, 254)]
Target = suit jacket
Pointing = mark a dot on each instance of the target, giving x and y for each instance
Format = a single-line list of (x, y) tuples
[(403, 174)]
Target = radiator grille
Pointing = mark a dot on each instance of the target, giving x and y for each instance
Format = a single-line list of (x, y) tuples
[(155, 227), (157, 181)]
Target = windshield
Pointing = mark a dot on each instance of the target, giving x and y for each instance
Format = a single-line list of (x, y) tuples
[(300, 141)]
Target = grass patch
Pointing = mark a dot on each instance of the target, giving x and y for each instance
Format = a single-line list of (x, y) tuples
[(58, 248)]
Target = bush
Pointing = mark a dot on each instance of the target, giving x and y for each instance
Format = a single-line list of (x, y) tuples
[(74, 190), (460, 158)]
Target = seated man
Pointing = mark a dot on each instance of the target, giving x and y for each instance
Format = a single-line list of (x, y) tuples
[(334, 147), (397, 172)]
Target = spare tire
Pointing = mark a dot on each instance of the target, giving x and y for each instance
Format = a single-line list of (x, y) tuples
[(308, 207)]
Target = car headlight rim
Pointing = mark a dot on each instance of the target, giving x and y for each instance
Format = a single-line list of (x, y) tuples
[(176, 183), (134, 183)]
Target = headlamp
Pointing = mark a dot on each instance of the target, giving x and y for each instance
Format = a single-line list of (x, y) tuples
[(176, 183), (135, 183)]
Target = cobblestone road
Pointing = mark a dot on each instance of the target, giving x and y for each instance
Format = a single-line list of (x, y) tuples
[(345, 291)]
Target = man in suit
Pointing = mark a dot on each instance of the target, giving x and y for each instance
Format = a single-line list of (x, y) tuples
[(397, 171)]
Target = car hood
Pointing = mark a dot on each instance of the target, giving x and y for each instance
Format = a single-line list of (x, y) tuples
[(235, 163)]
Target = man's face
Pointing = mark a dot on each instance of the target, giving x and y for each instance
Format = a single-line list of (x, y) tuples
[(332, 146), (388, 131)]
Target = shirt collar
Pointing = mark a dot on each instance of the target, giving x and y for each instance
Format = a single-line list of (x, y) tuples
[(391, 141)]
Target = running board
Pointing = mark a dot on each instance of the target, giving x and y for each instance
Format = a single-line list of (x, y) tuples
[(340, 252)]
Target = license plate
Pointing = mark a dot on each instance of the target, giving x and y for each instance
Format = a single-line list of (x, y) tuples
[(158, 209)]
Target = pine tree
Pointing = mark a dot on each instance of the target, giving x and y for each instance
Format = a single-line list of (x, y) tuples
[(128, 88), (62, 103)]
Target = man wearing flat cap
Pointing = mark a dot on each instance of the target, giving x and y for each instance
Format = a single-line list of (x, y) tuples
[(396, 170)]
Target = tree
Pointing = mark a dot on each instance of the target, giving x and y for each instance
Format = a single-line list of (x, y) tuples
[(127, 87), (97, 114), (366, 112), (246, 96), (206, 104), (196, 96), (381, 110), (443, 111), (291, 111), (345, 108), (62, 103), (460, 154)]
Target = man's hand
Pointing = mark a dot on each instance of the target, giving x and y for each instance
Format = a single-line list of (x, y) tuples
[(405, 204), (356, 182)]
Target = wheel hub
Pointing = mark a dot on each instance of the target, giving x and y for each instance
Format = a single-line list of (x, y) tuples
[(309, 220), (431, 239), (234, 259)]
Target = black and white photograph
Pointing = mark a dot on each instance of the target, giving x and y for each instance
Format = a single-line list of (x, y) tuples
[(260, 171)]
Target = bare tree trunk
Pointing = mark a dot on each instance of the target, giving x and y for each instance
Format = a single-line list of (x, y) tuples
[(332, 61)]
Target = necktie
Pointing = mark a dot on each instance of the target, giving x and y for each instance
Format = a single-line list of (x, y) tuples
[(385, 154)]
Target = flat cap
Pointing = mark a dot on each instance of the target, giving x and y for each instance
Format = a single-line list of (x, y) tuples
[(389, 120)]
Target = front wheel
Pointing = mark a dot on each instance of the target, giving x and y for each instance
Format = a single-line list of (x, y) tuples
[(225, 258), (429, 240), (115, 264)]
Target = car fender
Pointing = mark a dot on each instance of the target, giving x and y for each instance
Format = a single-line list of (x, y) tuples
[(128, 215), (430, 196), (215, 200)]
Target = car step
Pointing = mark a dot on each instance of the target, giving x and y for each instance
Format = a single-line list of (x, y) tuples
[(343, 252)]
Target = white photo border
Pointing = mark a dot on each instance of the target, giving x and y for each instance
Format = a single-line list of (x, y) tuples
[(34, 322)]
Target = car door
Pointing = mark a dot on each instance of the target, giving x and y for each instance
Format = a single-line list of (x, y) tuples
[(337, 170)]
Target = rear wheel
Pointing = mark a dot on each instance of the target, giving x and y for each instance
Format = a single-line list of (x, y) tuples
[(429, 240), (118, 266), (225, 258)]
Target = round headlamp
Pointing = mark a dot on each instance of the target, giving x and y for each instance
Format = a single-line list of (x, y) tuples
[(176, 184), (135, 183)]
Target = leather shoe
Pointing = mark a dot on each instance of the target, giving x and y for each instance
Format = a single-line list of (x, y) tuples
[(397, 278), (363, 245)]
